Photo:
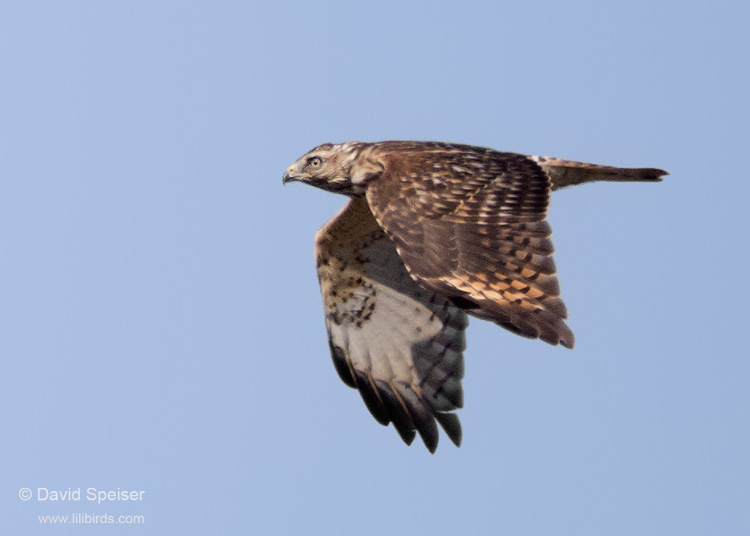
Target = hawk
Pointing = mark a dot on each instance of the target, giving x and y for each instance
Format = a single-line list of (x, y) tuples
[(432, 232)]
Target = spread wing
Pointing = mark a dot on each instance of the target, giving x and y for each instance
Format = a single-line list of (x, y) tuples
[(400, 344), (471, 224)]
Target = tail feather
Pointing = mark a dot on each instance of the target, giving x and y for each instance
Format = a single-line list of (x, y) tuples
[(565, 173)]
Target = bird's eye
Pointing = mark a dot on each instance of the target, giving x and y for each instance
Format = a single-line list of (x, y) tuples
[(314, 162)]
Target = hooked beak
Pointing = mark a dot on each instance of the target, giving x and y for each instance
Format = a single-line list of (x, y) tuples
[(289, 175)]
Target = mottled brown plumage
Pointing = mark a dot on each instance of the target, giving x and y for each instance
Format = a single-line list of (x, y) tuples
[(433, 230)]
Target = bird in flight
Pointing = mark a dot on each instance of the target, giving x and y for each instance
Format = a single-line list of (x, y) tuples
[(432, 232)]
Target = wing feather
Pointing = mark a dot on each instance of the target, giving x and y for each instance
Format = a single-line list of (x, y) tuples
[(400, 344), (471, 224)]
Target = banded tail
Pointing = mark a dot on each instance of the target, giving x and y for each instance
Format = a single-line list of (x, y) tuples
[(564, 173)]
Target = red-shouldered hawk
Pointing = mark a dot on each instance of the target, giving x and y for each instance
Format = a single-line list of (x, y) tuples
[(434, 231)]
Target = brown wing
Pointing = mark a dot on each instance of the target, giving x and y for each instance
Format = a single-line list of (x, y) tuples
[(400, 344), (471, 224)]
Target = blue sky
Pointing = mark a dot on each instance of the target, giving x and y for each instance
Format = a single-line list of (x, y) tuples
[(160, 320)]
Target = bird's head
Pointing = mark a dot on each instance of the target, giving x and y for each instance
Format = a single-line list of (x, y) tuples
[(343, 168)]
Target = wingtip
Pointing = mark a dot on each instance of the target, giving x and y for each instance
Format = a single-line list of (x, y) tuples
[(451, 425), (568, 340)]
